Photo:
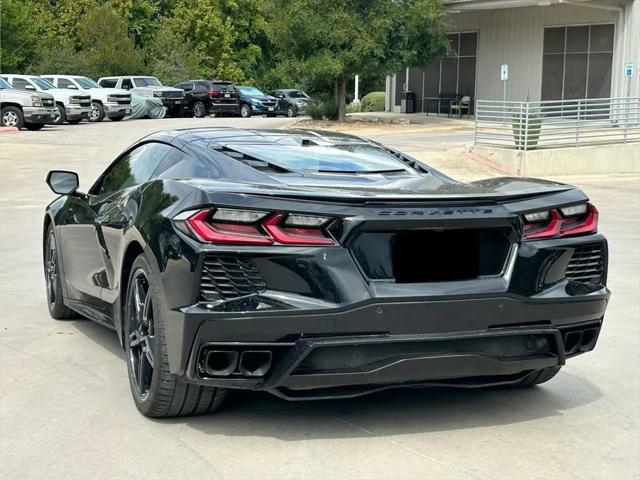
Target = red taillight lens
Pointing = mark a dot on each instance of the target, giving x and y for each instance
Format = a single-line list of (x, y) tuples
[(266, 230), (559, 225), (213, 93), (294, 235), (226, 233)]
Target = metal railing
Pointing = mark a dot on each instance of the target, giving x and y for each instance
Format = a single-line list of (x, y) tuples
[(556, 124)]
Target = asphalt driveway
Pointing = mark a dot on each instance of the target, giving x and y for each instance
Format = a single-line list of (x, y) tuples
[(66, 410)]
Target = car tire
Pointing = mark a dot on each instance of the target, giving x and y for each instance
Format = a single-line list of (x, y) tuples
[(537, 377), (199, 110), (34, 126), (291, 112), (155, 391), (57, 308), (61, 117), (97, 112), (116, 119), (12, 117), (245, 110)]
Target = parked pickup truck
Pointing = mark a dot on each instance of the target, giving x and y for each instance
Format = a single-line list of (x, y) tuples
[(172, 98), (25, 109), (71, 106), (113, 103)]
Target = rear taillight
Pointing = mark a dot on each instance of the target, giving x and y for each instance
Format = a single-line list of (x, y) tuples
[(251, 227), (561, 222), (213, 93)]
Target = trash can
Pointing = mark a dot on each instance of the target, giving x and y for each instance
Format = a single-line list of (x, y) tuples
[(408, 102)]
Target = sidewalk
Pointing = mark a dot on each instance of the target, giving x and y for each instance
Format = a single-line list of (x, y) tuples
[(412, 119)]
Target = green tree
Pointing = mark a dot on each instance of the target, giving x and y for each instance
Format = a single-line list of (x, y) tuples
[(173, 59), (18, 34), (336, 39), (106, 44), (60, 58)]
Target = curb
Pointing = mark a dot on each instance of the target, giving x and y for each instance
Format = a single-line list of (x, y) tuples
[(5, 130)]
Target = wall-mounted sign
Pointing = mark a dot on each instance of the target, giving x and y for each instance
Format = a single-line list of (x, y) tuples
[(504, 71), (628, 69)]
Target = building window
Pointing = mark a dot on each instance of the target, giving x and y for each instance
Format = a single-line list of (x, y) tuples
[(576, 62), (454, 74)]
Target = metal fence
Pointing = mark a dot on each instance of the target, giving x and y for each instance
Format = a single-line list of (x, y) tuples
[(555, 124)]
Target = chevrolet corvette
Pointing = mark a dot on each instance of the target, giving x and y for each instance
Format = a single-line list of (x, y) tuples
[(315, 265)]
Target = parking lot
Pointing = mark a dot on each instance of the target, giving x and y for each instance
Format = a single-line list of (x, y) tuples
[(66, 410)]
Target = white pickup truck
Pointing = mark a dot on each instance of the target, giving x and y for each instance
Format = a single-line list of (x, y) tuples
[(172, 98), (19, 109), (113, 103), (71, 106)]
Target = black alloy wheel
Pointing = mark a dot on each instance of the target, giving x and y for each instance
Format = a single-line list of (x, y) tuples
[(156, 392), (141, 334), (53, 281), (198, 110)]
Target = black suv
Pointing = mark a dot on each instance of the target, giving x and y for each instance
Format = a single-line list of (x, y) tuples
[(291, 102), (213, 97)]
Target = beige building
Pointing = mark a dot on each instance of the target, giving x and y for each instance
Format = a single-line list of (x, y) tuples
[(554, 49)]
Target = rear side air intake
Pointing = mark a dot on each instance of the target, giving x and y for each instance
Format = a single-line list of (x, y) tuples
[(586, 264), (225, 278)]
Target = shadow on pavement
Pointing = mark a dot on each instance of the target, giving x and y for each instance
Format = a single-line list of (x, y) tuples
[(391, 412)]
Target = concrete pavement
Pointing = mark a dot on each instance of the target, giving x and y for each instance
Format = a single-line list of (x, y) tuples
[(66, 410)]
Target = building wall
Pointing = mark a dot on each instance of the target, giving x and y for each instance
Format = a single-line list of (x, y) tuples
[(628, 48), (515, 36)]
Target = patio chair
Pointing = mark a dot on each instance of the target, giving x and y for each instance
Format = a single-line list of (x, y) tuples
[(458, 106)]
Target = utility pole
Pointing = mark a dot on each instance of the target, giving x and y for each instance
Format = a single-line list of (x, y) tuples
[(355, 93)]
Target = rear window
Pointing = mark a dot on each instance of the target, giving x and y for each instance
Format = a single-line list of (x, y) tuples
[(225, 87), (109, 82), (353, 158)]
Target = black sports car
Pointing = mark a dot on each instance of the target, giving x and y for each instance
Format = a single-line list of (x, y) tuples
[(319, 265)]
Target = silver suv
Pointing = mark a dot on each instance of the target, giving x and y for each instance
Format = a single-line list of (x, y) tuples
[(25, 109), (71, 106)]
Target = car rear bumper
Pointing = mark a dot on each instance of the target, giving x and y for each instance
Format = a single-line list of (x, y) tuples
[(454, 341)]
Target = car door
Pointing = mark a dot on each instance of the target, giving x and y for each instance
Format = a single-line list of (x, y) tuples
[(97, 222), (190, 93), (282, 101)]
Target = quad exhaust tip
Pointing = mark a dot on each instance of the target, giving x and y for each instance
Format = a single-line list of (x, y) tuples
[(221, 363), (255, 363), (248, 363)]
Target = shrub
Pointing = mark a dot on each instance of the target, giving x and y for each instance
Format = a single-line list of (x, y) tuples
[(314, 110), (330, 110), (353, 107), (526, 129), (372, 102)]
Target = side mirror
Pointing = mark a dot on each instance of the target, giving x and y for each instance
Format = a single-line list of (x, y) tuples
[(62, 182), (72, 87), (29, 87)]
